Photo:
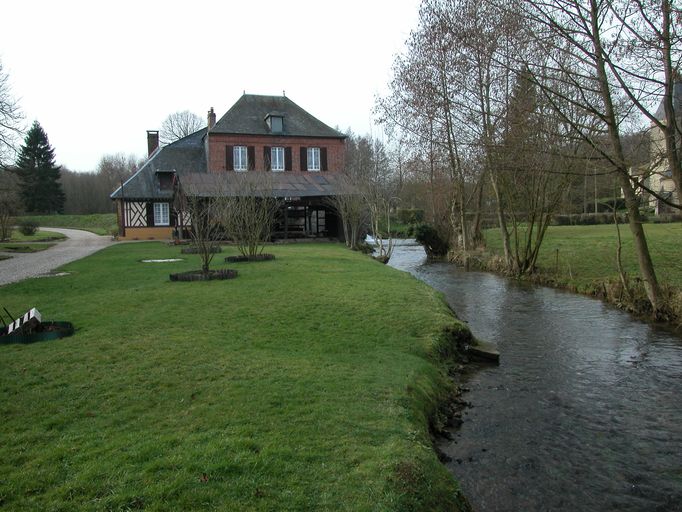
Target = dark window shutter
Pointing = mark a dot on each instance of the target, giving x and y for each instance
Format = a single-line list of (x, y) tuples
[(229, 158), (266, 157), (150, 214), (304, 159), (323, 159), (287, 159), (251, 157)]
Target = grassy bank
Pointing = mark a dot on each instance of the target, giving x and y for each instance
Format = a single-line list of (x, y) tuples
[(23, 247), (38, 236), (304, 384), (98, 223), (587, 254)]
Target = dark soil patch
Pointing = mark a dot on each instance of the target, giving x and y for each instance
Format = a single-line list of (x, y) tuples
[(198, 275), (257, 257)]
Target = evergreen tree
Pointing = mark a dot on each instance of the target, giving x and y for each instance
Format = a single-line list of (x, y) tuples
[(41, 190)]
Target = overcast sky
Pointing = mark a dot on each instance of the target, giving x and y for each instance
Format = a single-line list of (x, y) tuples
[(97, 75)]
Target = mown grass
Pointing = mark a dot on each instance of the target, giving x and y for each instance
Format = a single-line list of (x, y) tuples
[(587, 254), (304, 384), (98, 223), (38, 236), (23, 247)]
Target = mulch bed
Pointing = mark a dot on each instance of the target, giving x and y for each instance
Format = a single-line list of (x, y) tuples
[(257, 257), (195, 250), (198, 275)]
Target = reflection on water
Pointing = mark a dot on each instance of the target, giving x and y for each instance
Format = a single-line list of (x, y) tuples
[(584, 411)]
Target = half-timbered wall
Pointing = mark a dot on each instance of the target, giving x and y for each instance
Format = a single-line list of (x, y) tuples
[(135, 214)]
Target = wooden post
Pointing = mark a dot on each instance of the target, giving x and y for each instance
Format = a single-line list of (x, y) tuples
[(286, 221)]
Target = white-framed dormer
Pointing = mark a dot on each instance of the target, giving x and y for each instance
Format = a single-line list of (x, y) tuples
[(275, 122)]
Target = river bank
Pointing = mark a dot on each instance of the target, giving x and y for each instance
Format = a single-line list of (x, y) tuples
[(583, 411), (310, 382), (583, 259)]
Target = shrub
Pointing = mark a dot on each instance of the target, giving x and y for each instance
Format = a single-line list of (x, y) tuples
[(28, 227), (665, 218), (364, 248), (410, 215), (433, 243), (607, 204), (590, 219)]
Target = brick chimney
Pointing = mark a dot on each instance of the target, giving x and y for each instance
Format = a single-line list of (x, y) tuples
[(211, 118), (152, 141)]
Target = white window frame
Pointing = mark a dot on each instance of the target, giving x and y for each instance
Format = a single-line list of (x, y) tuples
[(277, 158), (161, 214), (314, 159), (240, 158)]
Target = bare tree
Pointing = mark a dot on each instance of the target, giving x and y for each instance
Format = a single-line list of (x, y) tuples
[(88, 192), (10, 120), (530, 169), (10, 202), (179, 125), (576, 35), (204, 215), (449, 95), (117, 167), (247, 210), (350, 206)]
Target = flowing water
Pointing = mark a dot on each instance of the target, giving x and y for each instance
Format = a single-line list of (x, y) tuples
[(584, 411)]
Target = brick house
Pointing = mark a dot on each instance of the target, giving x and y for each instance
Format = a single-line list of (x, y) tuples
[(259, 134)]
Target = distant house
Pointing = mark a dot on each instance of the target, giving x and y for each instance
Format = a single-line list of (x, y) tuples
[(657, 176), (259, 134)]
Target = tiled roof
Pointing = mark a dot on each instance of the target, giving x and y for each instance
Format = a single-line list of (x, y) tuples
[(282, 184), (247, 116), (183, 156)]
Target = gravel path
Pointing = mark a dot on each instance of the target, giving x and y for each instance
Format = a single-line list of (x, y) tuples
[(79, 245)]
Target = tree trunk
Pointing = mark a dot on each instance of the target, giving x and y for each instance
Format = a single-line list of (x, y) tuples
[(502, 222), (671, 129), (646, 266)]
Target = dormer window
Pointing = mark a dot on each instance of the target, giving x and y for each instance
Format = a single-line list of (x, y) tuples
[(275, 122), (165, 179)]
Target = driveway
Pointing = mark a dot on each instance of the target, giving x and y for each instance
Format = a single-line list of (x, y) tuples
[(79, 245)]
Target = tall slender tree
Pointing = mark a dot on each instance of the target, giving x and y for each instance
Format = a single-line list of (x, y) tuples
[(10, 120), (41, 190)]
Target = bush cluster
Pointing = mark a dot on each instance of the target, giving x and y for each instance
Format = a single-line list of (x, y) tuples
[(590, 219), (410, 215), (27, 227), (433, 243)]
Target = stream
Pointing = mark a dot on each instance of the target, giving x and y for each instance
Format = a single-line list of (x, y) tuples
[(584, 412)]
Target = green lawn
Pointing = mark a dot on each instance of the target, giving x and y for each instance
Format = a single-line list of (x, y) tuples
[(588, 253), (24, 247), (304, 384), (98, 223), (38, 236)]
